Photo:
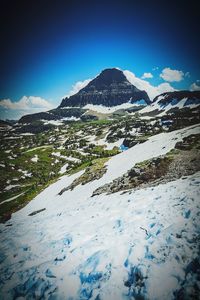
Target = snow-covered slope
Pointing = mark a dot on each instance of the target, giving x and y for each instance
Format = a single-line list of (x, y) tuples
[(167, 102), (119, 246)]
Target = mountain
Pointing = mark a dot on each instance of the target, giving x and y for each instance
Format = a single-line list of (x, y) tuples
[(110, 88), (172, 102), (111, 93)]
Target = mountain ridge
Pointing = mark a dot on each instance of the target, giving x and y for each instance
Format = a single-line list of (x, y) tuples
[(169, 102)]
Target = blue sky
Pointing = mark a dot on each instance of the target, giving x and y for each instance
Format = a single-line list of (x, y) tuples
[(49, 46)]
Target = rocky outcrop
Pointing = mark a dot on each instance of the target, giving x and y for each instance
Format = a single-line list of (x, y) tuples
[(94, 172), (144, 172), (174, 165), (110, 88)]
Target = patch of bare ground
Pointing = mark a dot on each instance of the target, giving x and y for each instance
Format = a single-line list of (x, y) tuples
[(93, 172)]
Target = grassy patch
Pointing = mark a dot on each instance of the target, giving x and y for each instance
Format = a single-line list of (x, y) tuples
[(79, 168), (93, 171), (7, 208)]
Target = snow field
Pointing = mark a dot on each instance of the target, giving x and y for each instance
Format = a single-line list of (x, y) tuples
[(118, 246)]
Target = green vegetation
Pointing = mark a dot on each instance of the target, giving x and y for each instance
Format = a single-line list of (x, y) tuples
[(80, 167), (7, 208), (172, 153), (29, 163), (93, 171)]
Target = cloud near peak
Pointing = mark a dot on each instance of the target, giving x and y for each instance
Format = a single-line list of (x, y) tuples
[(151, 90), (79, 85)]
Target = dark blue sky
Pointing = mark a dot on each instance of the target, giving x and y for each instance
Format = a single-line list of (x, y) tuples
[(46, 46)]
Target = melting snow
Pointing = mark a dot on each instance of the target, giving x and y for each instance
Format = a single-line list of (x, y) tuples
[(63, 168), (71, 158), (11, 186), (60, 122), (53, 122), (12, 198), (35, 158)]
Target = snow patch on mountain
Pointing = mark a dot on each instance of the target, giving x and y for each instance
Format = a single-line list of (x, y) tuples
[(60, 121), (108, 110), (103, 142), (35, 158)]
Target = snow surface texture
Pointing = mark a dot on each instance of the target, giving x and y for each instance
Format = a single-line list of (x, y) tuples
[(121, 246)]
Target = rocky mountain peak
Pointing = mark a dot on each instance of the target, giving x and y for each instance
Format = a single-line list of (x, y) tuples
[(108, 77), (109, 88)]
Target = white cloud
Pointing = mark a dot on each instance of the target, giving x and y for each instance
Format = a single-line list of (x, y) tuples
[(147, 75), (26, 105), (164, 87), (171, 75), (155, 68), (194, 87), (77, 87), (151, 90)]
